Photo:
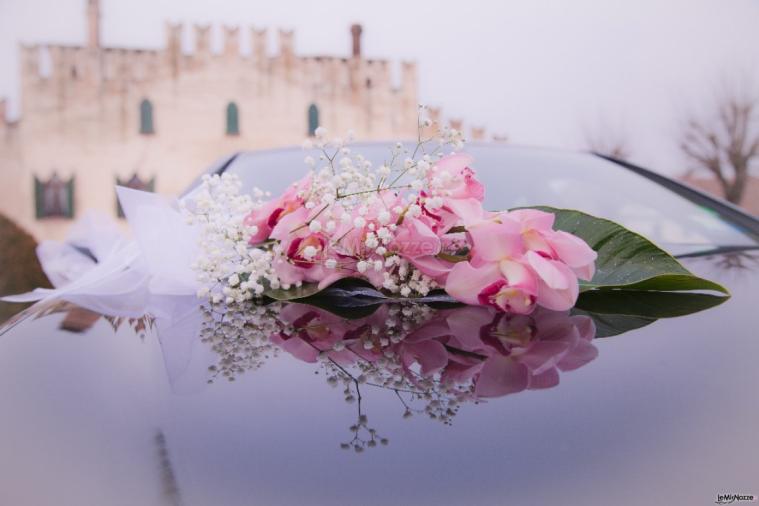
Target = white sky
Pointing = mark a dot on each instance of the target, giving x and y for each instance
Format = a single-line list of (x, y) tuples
[(543, 72)]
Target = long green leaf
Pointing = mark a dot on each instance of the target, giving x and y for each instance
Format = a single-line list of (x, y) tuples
[(626, 259)]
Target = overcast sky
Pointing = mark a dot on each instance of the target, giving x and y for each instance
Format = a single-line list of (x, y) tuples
[(543, 72)]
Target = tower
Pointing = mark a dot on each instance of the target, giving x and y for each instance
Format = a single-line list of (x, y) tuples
[(356, 40), (93, 24)]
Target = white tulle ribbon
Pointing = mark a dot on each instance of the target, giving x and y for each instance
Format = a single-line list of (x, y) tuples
[(97, 260)]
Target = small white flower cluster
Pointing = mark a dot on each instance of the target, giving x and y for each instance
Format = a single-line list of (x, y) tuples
[(403, 278), (228, 268)]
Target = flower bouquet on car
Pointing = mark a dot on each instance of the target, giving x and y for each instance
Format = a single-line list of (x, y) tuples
[(353, 233), (411, 227)]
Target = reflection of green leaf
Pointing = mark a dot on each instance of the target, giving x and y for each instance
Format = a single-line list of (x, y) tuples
[(626, 259), (618, 311), (608, 325), (293, 293), (347, 312), (648, 304)]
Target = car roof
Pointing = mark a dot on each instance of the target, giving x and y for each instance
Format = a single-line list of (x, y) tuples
[(678, 218)]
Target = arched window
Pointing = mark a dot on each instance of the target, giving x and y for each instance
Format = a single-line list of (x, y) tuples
[(233, 119), (54, 198), (313, 119), (146, 117)]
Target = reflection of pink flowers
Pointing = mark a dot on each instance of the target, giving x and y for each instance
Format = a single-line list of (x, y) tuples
[(503, 354), (489, 353)]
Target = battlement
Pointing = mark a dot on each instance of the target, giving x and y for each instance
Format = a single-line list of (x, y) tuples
[(71, 64)]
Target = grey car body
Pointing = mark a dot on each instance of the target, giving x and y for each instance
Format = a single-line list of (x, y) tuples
[(666, 414)]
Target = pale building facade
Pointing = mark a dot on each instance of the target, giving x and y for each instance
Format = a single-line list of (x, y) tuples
[(101, 114)]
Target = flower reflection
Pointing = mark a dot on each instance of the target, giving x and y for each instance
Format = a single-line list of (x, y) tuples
[(432, 360)]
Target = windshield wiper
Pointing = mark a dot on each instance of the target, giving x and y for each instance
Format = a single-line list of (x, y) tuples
[(719, 250)]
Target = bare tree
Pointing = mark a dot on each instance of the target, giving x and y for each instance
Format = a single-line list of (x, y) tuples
[(727, 143), (608, 141)]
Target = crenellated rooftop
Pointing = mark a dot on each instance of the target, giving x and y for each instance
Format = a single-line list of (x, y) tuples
[(97, 62)]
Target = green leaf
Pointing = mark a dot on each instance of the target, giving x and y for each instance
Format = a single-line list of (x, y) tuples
[(626, 259), (452, 258)]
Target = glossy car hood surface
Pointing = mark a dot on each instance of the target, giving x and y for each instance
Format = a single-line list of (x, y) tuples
[(666, 414)]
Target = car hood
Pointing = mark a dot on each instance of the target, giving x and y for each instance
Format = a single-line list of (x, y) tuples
[(118, 410)]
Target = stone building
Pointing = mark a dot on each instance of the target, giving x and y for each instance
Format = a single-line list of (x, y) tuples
[(94, 115)]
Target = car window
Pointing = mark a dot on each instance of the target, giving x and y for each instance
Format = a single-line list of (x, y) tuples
[(518, 176)]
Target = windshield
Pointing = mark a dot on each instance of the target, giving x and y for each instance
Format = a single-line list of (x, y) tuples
[(517, 176)]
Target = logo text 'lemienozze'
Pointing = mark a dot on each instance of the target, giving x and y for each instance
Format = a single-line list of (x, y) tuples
[(732, 498)]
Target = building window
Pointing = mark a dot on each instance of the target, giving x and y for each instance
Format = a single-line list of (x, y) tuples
[(54, 198), (313, 119), (134, 183), (233, 119), (146, 117)]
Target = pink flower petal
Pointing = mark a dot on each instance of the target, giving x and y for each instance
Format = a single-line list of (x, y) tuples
[(574, 252), (453, 164), (469, 211), (431, 356), (549, 271), (289, 223), (492, 242), (465, 282), (415, 239), (532, 219), (580, 355), (500, 376), (546, 379), (550, 297)]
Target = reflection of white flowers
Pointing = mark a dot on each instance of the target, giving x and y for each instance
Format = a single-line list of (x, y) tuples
[(240, 336)]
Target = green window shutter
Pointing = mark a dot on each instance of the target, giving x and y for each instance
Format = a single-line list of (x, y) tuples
[(313, 119), (146, 117), (39, 198), (69, 210), (233, 119)]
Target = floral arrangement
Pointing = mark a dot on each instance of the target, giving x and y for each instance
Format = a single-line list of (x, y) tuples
[(413, 225)]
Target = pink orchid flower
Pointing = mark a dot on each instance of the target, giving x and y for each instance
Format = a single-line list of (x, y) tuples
[(496, 275), (267, 216), (452, 174), (519, 260), (414, 239), (536, 228)]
